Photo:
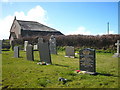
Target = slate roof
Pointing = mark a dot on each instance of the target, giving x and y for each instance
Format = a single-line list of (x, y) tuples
[(34, 26)]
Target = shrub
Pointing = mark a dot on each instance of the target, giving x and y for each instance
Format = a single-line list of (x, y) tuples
[(5, 44), (78, 41)]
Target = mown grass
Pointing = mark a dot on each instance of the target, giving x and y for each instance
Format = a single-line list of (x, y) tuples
[(21, 73)]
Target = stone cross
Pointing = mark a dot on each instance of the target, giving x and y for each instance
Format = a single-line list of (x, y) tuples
[(29, 53), (87, 60), (118, 49), (0, 46), (25, 45), (53, 48), (16, 52)]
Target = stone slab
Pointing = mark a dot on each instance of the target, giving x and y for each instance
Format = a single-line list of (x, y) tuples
[(16, 52), (70, 52), (87, 60), (29, 53), (44, 52)]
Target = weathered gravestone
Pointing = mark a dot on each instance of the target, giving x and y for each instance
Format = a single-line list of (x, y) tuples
[(53, 48), (16, 52), (44, 52), (29, 53), (35, 47), (12, 45), (88, 60), (25, 45), (70, 52), (0, 46), (118, 49), (40, 40)]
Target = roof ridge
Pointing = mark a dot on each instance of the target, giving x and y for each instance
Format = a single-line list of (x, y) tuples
[(37, 23), (27, 21)]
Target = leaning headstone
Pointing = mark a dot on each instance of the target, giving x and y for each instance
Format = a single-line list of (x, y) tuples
[(88, 60), (29, 53), (53, 48), (40, 40), (44, 52), (118, 49), (16, 52), (0, 46), (70, 52), (25, 45)]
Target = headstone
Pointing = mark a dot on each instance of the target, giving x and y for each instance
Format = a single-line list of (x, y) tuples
[(44, 52), (35, 47), (25, 45), (70, 52), (0, 46), (29, 53), (16, 52), (40, 40), (53, 48), (12, 45), (88, 60), (118, 49)]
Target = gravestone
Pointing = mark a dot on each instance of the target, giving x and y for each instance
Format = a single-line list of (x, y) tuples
[(87, 60), (118, 49), (0, 46), (53, 48), (29, 53), (70, 52), (12, 45), (40, 40), (35, 47), (25, 45), (16, 52), (44, 52)]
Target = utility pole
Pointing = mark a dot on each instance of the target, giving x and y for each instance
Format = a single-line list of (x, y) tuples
[(108, 27)]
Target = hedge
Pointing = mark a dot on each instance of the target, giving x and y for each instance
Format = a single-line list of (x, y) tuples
[(98, 42)]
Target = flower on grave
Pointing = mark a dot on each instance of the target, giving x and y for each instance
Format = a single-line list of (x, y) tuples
[(43, 63), (38, 63), (82, 72), (77, 71)]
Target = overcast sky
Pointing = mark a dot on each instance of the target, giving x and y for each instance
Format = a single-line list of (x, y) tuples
[(88, 18)]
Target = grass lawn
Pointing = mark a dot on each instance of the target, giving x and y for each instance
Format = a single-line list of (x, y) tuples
[(21, 73)]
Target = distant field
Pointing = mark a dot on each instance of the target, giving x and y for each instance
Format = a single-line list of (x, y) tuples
[(21, 73)]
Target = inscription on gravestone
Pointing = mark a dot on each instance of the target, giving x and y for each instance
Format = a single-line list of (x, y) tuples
[(87, 60), (25, 45), (44, 52), (53, 48), (70, 52), (0, 46), (29, 53), (16, 52)]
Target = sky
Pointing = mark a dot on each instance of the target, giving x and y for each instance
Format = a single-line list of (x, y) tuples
[(87, 18)]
